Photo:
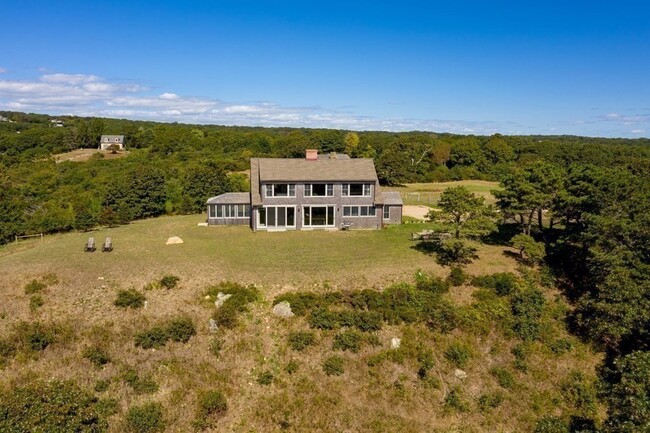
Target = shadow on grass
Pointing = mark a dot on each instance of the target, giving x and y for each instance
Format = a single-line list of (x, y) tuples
[(447, 253), (502, 235)]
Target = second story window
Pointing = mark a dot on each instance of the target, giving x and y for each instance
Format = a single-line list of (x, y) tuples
[(319, 190), (280, 190), (356, 190)]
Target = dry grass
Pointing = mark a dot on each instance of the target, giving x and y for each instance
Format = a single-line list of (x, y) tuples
[(82, 155), (386, 398)]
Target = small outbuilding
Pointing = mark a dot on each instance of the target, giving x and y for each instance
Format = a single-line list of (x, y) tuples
[(231, 208)]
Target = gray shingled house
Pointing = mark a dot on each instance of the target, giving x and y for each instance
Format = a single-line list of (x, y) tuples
[(331, 191), (108, 140)]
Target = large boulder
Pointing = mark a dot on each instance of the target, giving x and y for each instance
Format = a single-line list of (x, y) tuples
[(283, 309)]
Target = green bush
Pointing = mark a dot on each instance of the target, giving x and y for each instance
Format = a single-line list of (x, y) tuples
[(130, 298), (138, 384), (454, 401), (107, 406), (147, 418), (227, 315), (527, 307), (490, 401), (580, 394), (430, 283), (180, 329), (367, 321), (50, 407), (504, 378), (520, 352), (348, 340), (169, 282), (216, 345), (551, 424), (503, 283), (561, 346), (153, 338), (458, 354), (333, 366), (35, 336), (102, 385), (211, 406), (265, 378), (323, 319), (455, 252), (97, 355), (7, 350), (303, 303), (457, 276), (301, 340), (36, 302), (291, 367), (34, 286)]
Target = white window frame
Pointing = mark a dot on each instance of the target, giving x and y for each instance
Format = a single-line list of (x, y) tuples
[(309, 189), (270, 187), (319, 226), (366, 189), (228, 211)]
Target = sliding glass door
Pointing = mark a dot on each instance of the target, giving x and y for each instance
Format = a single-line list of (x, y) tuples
[(318, 216), (272, 217)]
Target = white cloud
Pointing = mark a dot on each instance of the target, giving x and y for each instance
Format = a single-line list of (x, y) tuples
[(638, 131)]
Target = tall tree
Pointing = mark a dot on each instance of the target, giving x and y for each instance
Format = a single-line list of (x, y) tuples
[(464, 213)]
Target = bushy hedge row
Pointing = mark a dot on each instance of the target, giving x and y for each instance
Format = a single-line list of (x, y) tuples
[(241, 296)]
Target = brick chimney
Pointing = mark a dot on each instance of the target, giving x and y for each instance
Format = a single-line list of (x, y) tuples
[(311, 155)]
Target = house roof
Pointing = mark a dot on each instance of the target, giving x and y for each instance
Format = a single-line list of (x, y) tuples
[(302, 170), (392, 198), (230, 198), (112, 137)]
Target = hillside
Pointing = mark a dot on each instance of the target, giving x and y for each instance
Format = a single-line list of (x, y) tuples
[(253, 362)]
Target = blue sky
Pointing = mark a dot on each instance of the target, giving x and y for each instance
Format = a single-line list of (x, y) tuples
[(467, 67)]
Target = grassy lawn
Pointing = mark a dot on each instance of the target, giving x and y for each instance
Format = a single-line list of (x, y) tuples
[(209, 254), (429, 193)]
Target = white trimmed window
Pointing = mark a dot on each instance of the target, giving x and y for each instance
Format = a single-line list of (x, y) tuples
[(355, 190), (280, 190), (276, 216), (358, 211), (319, 190), (229, 211)]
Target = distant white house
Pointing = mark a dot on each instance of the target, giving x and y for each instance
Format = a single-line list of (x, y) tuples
[(4, 119), (57, 123), (107, 141)]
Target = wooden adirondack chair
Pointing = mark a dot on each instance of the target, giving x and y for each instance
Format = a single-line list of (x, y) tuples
[(108, 245), (90, 245)]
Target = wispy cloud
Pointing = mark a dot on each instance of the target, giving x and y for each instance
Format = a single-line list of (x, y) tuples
[(87, 95), (3, 70)]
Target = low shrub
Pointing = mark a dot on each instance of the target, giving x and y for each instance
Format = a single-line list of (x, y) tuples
[(35, 336), (153, 338), (458, 354), (108, 406), (303, 303), (490, 401), (138, 384), (504, 378), (503, 283), (551, 424), (348, 340), (7, 351), (36, 302), (34, 286), (430, 283), (169, 282), (148, 418), (324, 319), (102, 385), (216, 345), (50, 407), (527, 307), (210, 406), (580, 393), (333, 366), (299, 341), (227, 315), (265, 378), (291, 367), (454, 401), (180, 329), (520, 352), (367, 321), (130, 298), (457, 276), (97, 355), (561, 346)]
